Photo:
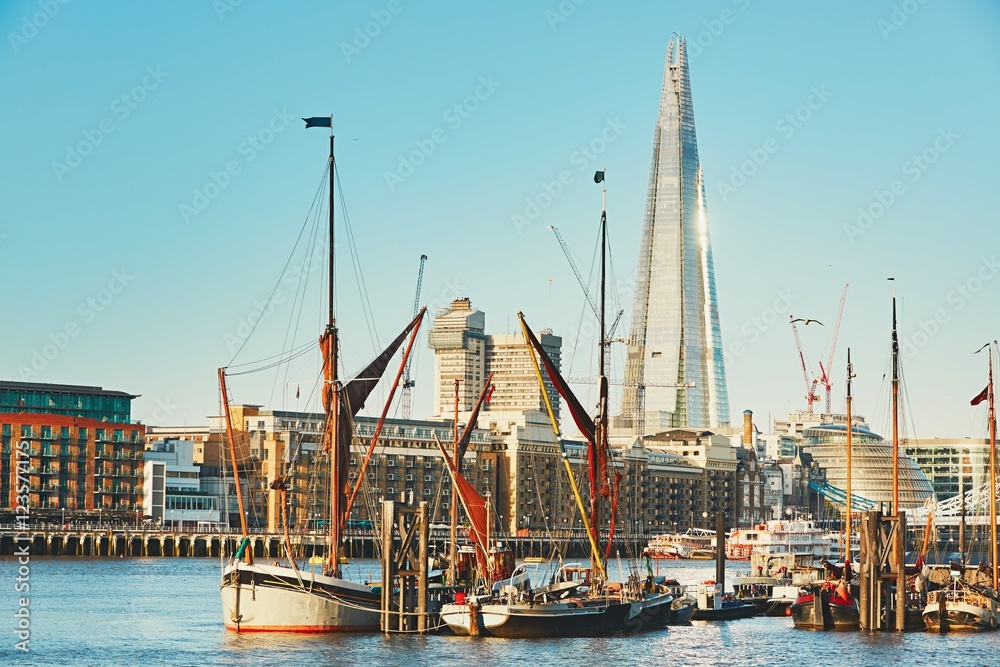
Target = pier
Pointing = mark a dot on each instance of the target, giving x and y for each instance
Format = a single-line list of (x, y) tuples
[(105, 540)]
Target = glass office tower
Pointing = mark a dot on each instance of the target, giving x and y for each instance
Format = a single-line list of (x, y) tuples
[(675, 337)]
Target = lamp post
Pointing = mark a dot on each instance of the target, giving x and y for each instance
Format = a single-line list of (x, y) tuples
[(173, 526), (63, 517), (704, 516)]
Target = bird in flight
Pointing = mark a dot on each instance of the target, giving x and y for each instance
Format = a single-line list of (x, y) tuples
[(807, 321)]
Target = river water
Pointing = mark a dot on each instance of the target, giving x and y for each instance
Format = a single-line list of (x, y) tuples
[(166, 611)]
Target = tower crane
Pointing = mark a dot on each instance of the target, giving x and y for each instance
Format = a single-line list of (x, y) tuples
[(605, 344), (825, 372), (408, 382), (811, 396)]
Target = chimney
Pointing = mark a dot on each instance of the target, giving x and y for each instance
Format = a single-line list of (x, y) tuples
[(748, 439)]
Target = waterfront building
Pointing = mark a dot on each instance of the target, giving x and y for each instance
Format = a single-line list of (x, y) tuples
[(172, 491), (406, 464), (85, 453), (941, 459), (716, 460), (676, 338)]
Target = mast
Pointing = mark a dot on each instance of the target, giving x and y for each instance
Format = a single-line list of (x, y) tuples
[(600, 430), (232, 454), (847, 528), (331, 394), (993, 476), (895, 411), (453, 530), (899, 544)]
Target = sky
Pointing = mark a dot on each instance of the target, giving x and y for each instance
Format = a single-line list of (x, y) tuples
[(157, 176)]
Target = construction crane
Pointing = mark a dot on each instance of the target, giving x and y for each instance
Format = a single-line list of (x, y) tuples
[(606, 343), (825, 372), (811, 396), (640, 396), (408, 382)]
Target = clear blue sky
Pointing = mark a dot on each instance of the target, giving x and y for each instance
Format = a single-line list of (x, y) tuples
[(887, 81)]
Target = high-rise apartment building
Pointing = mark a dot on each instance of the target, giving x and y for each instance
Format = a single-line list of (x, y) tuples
[(676, 337), (463, 351), (459, 345)]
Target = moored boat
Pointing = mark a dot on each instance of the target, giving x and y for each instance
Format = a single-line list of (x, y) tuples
[(285, 597)]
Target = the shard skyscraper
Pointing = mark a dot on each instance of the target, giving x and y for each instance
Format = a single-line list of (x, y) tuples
[(675, 337)]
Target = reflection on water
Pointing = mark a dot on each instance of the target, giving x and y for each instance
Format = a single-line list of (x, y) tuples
[(153, 611)]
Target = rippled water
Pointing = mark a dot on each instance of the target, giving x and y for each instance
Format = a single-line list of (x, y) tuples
[(167, 611)]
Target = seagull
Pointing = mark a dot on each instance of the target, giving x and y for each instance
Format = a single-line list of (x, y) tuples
[(807, 321)]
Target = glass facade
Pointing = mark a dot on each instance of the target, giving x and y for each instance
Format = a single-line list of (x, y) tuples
[(676, 337), (67, 400), (871, 464)]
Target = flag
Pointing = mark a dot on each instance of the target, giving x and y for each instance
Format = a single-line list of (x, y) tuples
[(981, 396), (319, 121), (598, 176), (297, 391), (489, 394)]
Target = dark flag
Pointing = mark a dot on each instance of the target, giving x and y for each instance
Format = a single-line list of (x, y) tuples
[(297, 391), (981, 396), (319, 121), (598, 176)]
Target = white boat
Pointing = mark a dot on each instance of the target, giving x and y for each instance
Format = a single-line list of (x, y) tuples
[(960, 608), (681, 545), (800, 538), (268, 598)]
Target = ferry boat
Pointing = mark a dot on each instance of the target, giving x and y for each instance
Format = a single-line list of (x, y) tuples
[(695, 543), (800, 538)]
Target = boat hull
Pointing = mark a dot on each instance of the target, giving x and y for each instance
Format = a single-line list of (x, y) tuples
[(729, 613), (831, 616), (959, 617), (551, 619), (261, 598)]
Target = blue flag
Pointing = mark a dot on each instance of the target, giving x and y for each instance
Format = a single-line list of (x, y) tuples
[(319, 121)]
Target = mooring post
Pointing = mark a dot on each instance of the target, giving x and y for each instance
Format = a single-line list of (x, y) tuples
[(901, 571), (422, 577), (388, 518)]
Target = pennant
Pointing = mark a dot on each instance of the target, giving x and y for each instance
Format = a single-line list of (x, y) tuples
[(981, 396), (319, 121)]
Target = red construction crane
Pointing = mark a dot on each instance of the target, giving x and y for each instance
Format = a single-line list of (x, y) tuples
[(825, 372), (811, 396)]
